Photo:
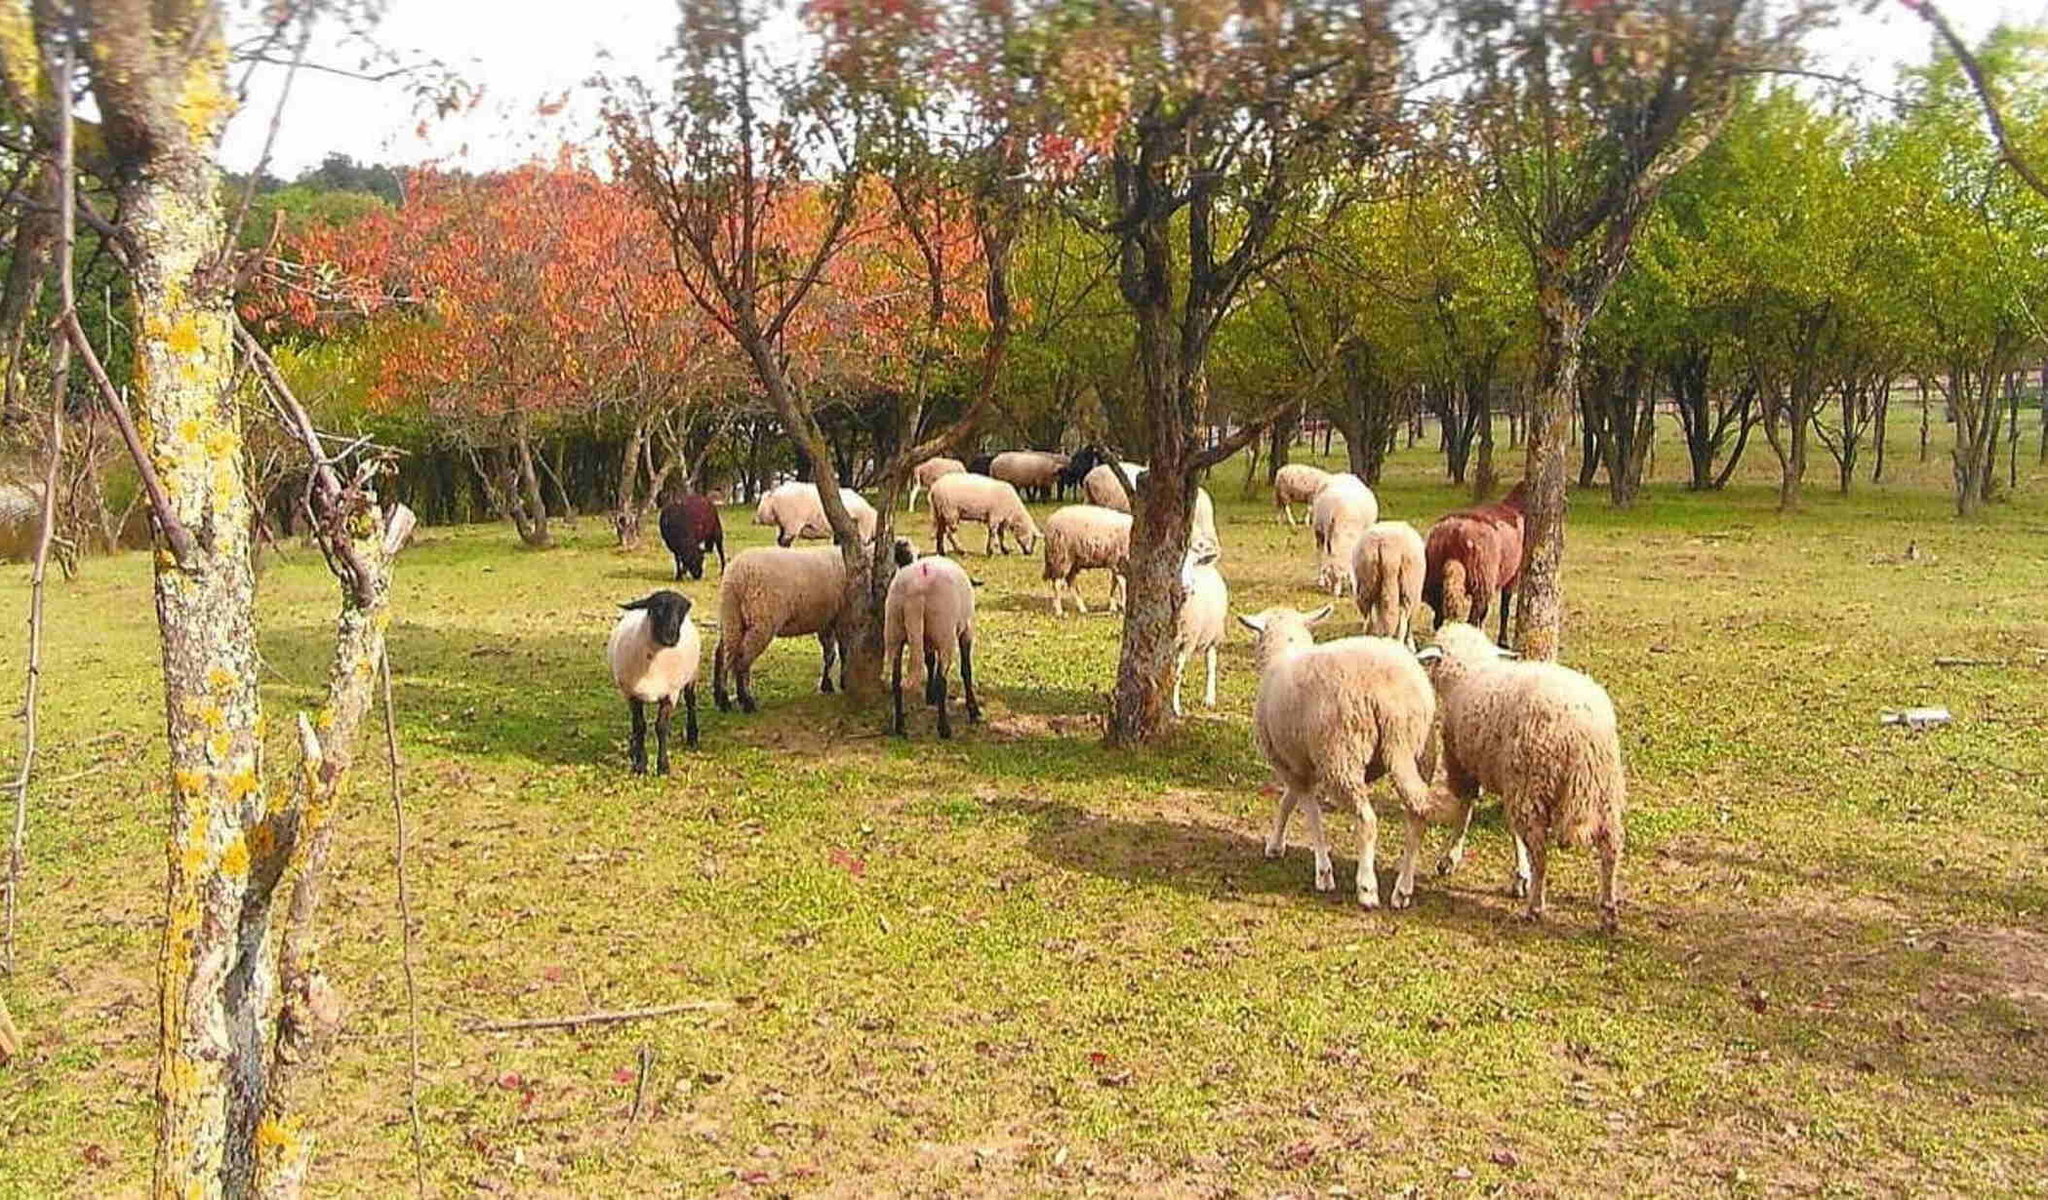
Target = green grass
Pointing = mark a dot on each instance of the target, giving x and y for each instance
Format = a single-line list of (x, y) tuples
[(1018, 963)]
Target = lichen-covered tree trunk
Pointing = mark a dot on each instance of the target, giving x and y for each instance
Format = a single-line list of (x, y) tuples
[(626, 500), (1539, 631)]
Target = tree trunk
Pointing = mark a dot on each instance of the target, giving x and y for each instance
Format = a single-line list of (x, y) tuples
[(1484, 477), (1540, 616), (1883, 417), (1159, 538), (625, 502), (1922, 385), (530, 512)]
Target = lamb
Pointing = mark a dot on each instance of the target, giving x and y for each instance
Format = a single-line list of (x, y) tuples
[(1340, 515), (1297, 483), (1332, 718), (690, 526), (654, 656), (1081, 537), (1204, 612), (769, 593), (1033, 472), (796, 512), (994, 503), (1100, 487), (1472, 556), (930, 612), (1544, 739), (1386, 572), (929, 472)]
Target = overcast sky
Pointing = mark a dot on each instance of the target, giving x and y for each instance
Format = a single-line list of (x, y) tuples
[(521, 54)]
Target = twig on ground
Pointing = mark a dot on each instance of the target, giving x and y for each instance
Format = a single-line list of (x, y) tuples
[(597, 1018), (640, 1085), (412, 993), (1969, 662)]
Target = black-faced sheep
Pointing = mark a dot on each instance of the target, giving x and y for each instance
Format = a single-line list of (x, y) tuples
[(930, 612), (1387, 571), (956, 499), (1083, 537), (654, 657), (1544, 739), (1331, 719), (689, 527), (771, 592), (796, 512), (1297, 483)]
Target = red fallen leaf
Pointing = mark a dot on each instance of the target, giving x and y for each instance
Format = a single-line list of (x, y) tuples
[(1097, 1058), (1300, 1154), (1269, 790), (805, 1171), (848, 862), (1505, 1158), (552, 974), (511, 1081), (95, 1155), (623, 1075), (757, 1178)]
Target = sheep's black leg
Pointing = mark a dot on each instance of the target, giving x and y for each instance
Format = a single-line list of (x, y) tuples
[(718, 696), (843, 656), (721, 553), (896, 691), (1507, 600), (939, 679), (825, 647), (679, 568), (690, 715), (638, 749), (662, 712), (932, 686), (967, 679)]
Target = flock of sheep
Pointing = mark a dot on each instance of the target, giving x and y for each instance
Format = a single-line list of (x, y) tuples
[(1330, 718)]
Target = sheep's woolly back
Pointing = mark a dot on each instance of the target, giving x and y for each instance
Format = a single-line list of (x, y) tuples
[(1028, 468), (1298, 483), (932, 469), (1080, 537), (1486, 543), (1340, 710), (1542, 737), (786, 593), (1340, 515), (796, 511), (930, 605), (1101, 488), (1387, 569), (1204, 610), (646, 672), (957, 498)]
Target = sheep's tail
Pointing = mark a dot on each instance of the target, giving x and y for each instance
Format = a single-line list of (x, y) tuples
[(913, 638), (1591, 797), (1457, 599)]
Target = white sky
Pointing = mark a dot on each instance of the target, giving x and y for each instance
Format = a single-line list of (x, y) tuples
[(523, 53)]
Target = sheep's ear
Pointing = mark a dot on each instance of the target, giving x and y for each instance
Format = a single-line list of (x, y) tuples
[(1252, 623), (1319, 614), (975, 582), (1429, 654), (1206, 558), (684, 601), (637, 604)]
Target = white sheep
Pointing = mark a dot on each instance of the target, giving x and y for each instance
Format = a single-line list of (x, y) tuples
[(796, 512), (1204, 619), (1341, 514), (1033, 471), (1544, 739), (1100, 487), (771, 592), (654, 656), (1386, 572), (930, 612), (992, 502), (1297, 483), (1084, 537), (1331, 719), (928, 472)]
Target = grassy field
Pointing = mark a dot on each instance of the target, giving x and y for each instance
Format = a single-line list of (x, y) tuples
[(1018, 963)]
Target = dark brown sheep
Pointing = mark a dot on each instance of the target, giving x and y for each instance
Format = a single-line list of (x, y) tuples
[(1472, 555), (689, 527)]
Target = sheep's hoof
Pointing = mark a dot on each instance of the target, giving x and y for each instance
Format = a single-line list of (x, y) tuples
[(1326, 880), (747, 704), (1518, 887), (1401, 899), (1275, 849), (824, 687), (1531, 916), (1449, 862), (721, 702), (1610, 919), (662, 769), (639, 768), (1369, 898)]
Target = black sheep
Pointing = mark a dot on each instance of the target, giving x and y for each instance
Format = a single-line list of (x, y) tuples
[(690, 526)]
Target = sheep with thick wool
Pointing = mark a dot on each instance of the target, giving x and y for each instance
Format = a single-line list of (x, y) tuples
[(928, 472), (1204, 619), (1473, 556), (1386, 572), (1033, 472), (772, 592), (930, 613), (655, 655), (1543, 738), (1083, 537), (796, 512), (1340, 515), (1100, 487), (956, 499), (1297, 483), (1331, 719)]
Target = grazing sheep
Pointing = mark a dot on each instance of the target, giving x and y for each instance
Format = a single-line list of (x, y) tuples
[(1340, 515), (1079, 464), (930, 612), (1544, 739), (1204, 619), (1472, 556), (992, 502), (1100, 487), (980, 464), (1033, 472), (654, 655), (1297, 483), (928, 472), (1330, 720), (796, 512), (690, 526), (769, 593), (1081, 537), (1386, 572)]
